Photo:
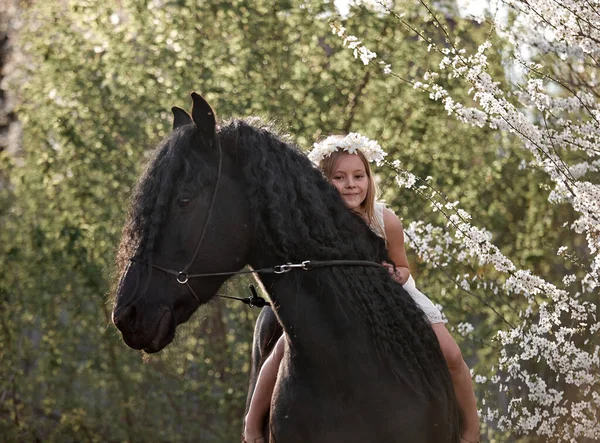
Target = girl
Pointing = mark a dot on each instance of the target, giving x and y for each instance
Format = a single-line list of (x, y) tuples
[(345, 163)]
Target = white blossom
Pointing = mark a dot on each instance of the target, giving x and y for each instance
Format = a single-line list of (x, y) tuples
[(557, 329)]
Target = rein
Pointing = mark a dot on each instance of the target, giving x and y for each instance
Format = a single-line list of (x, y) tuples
[(307, 265), (255, 300)]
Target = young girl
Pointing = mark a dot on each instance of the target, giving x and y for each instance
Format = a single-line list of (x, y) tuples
[(345, 163)]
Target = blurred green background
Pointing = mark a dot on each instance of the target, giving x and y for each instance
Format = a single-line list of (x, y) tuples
[(95, 82)]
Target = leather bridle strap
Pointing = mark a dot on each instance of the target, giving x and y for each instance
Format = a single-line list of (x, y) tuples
[(210, 208), (307, 265)]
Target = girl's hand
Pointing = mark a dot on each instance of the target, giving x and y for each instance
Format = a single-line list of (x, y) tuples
[(251, 433), (252, 436), (398, 274)]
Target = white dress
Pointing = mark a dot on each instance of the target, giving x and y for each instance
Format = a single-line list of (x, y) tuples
[(433, 314)]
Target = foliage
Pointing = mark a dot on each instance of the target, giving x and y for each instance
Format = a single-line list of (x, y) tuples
[(95, 96), (548, 360)]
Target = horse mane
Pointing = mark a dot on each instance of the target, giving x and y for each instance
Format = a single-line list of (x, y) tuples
[(298, 213), (299, 216)]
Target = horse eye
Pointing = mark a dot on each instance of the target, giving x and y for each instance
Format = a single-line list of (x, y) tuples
[(184, 201)]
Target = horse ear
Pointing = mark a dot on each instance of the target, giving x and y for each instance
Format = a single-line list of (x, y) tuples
[(180, 117), (203, 115)]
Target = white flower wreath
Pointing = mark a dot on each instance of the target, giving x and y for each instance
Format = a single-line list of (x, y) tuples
[(350, 143)]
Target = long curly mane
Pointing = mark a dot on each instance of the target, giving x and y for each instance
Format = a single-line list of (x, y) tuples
[(299, 216)]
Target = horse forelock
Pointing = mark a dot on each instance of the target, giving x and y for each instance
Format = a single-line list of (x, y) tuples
[(176, 162)]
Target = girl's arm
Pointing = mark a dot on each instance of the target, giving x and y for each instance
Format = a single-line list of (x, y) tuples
[(395, 243)]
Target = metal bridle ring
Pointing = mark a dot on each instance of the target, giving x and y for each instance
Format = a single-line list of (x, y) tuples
[(281, 269), (182, 278)]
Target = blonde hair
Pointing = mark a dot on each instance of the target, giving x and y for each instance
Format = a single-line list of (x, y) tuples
[(328, 164)]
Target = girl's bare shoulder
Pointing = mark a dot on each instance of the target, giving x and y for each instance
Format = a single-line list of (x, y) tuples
[(391, 221)]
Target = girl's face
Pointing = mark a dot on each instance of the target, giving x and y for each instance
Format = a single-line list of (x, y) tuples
[(351, 180)]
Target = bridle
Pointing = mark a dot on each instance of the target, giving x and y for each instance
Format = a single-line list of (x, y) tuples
[(183, 275)]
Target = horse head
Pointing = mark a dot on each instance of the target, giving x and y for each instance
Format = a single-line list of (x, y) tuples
[(188, 213)]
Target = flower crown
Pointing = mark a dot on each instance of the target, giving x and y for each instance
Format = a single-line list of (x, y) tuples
[(350, 143)]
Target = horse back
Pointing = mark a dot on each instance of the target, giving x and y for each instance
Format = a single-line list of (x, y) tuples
[(308, 408)]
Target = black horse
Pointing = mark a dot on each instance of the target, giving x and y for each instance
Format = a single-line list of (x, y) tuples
[(361, 362)]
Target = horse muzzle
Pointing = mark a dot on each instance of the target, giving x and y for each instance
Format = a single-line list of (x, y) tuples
[(138, 334)]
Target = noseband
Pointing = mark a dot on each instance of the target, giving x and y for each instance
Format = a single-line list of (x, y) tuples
[(183, 276)]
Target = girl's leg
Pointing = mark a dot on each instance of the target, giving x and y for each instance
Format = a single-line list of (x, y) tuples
[(463, 385), (261, 398)]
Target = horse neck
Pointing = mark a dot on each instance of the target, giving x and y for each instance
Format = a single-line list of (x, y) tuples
[(312, 315)]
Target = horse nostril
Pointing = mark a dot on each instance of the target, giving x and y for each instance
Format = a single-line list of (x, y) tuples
[(124, 316)]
